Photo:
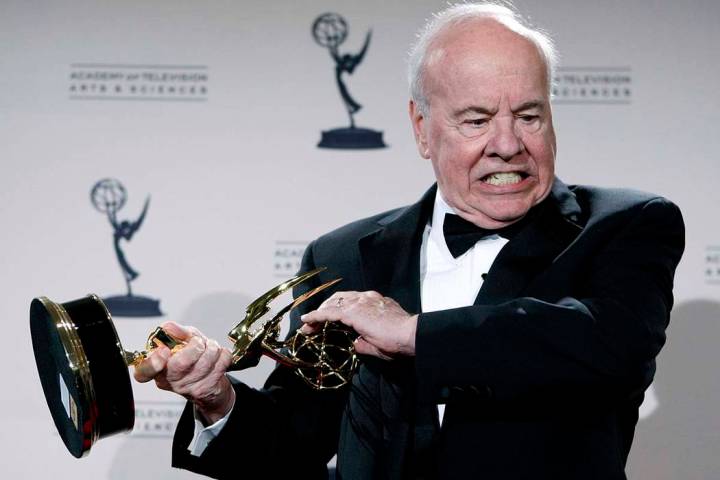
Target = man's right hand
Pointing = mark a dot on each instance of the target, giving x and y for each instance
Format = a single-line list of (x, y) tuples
[(196, 371)]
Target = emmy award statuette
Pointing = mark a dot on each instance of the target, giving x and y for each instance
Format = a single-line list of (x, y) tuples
[(330, 30), (83, 367), (108, 196)]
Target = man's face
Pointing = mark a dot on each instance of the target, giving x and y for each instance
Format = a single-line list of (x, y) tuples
[(489, 130)]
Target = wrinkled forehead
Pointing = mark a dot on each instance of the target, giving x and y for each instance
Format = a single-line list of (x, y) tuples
[(483, 49)]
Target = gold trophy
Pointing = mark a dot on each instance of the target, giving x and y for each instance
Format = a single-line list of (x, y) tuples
[(83, 366)]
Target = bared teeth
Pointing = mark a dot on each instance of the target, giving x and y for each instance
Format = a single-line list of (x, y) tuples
[(505, 178)]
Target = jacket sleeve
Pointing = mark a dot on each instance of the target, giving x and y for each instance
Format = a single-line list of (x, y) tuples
[(286, 428), (596, 344)]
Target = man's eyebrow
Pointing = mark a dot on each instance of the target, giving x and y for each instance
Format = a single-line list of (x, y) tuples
[(473, 109), (530, 105)]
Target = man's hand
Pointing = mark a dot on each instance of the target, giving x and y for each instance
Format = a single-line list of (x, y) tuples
[(385, 329), (196, 371)]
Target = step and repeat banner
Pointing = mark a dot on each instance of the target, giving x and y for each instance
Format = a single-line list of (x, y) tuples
[(176, 157)]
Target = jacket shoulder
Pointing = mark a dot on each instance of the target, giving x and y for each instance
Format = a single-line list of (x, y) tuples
[(602, 202), (357, 229), (338, 250)]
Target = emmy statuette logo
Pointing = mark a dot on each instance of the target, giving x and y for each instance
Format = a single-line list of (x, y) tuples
[(330, 30), (108, 196)]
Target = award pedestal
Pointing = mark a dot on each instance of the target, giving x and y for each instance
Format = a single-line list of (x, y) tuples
[(83, 371), (351, 138), (133, 306)]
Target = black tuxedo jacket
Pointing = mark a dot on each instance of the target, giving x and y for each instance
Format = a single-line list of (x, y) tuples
[(542, 377)]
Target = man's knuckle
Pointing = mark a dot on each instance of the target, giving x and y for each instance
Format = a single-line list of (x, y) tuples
[(181, 364)]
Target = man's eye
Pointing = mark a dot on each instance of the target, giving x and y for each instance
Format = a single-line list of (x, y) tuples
[(473, 127), (476, 122), (529, 118)]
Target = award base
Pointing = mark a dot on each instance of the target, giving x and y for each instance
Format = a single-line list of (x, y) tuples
[(133, 306), (83, 371), (351, 138)]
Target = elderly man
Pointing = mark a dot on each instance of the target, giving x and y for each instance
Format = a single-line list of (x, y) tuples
[(508, 323)]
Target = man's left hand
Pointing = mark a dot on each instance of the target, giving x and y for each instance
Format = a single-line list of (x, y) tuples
[(385, 329)]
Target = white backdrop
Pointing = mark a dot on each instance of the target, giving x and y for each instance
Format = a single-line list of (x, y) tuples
[(238, 185)]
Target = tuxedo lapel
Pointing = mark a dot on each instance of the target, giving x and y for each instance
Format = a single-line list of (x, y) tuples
[(391, 254), (552, 228), (391, 265)]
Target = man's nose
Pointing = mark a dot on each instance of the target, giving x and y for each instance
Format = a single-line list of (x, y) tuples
[(504, 141)]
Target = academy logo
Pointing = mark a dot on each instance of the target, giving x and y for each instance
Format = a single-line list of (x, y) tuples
[(109, 196)]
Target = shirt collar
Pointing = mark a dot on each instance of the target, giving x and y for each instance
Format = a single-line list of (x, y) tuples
[(440, 209)]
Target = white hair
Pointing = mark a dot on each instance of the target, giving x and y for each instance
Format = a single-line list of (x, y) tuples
[(503, 13)]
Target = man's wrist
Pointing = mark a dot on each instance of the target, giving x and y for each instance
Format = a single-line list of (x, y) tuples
[(409, 348), (220, 406)]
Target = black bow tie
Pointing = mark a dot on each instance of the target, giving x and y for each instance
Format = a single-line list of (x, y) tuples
[(461, 235)]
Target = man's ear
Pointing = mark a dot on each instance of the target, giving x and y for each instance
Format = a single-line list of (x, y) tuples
[(417, 118)]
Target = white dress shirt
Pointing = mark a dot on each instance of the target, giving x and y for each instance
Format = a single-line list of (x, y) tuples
[(445, 282)]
